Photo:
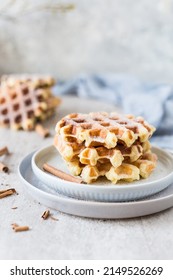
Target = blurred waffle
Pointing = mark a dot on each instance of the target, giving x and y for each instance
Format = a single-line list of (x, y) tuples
[(101, 144), (26, 100)]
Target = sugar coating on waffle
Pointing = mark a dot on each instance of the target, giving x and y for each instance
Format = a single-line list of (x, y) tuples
[(26, 100), (106, 144), (105, 129)]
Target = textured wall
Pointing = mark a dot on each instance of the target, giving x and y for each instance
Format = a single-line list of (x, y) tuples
[(95, 36)]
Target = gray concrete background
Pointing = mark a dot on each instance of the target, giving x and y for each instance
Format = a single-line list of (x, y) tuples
[(65, 38)]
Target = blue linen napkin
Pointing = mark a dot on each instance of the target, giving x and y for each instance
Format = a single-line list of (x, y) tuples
[(153, 101)]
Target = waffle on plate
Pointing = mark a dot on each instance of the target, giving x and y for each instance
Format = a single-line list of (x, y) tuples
[(106, 144)]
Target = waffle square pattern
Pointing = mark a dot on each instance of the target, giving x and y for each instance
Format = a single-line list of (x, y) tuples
[(26, 100), (106, 144)]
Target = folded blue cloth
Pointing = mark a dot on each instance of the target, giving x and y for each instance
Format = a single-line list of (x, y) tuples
[(152, 101)]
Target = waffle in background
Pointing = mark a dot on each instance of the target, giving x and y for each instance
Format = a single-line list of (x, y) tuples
[(26, 100), (101, 144)]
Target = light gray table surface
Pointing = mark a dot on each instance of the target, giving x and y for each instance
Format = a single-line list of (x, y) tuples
[(71, 237)]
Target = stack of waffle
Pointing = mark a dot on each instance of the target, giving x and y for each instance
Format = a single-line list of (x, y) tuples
[(101, 144), (26, 100)]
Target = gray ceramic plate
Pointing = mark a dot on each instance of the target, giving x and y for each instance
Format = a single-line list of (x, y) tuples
[(104, 210), (104, 190)]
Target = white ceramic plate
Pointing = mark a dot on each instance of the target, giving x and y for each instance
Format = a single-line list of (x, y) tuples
[(91, 209), (103, 190)]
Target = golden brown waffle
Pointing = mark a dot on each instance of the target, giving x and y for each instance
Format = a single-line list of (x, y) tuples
[(103, 129), (75, 167), (102, 144), (146, 164), (89, 174), (90, 156), (25, 100), (68, 150), (115, 156), (71, 150), (126, 171), (146, 147)]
